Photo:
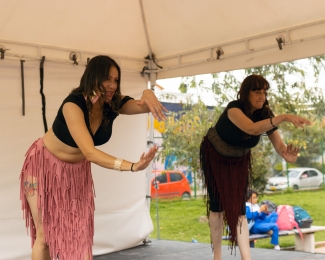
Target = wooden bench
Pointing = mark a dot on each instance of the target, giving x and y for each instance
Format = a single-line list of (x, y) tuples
[(307, 244)]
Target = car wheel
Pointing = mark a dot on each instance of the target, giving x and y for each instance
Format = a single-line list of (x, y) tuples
[(295, 187), (186, 196)]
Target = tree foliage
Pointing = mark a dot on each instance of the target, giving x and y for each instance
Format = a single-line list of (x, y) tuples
[(184, 133), (289, 93)]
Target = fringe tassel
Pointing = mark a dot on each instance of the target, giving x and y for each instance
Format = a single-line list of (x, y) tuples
[(228, 178), (65, 201)]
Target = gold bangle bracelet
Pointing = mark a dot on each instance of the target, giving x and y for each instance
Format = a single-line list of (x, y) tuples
[(118, 164)]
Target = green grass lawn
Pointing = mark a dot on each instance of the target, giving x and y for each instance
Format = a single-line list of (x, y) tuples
[(182, 220)]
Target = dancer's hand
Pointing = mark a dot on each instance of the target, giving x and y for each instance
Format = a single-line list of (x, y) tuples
[(156, 108), (297, 121), (291, 153), (145, 159)]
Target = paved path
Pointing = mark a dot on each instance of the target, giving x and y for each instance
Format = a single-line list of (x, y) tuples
[(320, 250)]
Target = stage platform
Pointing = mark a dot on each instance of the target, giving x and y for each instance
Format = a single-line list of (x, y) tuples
[(176, 250)]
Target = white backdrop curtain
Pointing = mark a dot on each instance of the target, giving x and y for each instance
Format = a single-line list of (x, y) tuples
[(122, 219)]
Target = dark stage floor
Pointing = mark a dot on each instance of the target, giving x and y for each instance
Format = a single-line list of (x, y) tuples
[(175, 250)]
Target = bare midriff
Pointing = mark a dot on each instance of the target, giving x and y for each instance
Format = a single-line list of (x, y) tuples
[(60, 150)]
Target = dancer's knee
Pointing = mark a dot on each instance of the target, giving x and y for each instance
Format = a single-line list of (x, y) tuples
[(87, 257), (40, 238), (214, 214)]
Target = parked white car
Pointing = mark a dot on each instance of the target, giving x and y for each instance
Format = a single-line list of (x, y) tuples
[(301, 177)]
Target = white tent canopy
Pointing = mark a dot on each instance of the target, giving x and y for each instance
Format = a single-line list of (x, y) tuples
[(184, 35), (187, 37)]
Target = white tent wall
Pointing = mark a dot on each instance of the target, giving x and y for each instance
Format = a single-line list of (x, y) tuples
[(122, 219)]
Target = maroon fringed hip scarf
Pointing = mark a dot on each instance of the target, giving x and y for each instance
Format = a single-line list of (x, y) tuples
[(226, 180)]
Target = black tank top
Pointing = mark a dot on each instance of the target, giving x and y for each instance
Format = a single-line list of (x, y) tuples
[(103, 133), (232, 135)]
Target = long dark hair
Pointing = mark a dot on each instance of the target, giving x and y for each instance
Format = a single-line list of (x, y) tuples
[(96, 72), (253, 83), (250, 192)]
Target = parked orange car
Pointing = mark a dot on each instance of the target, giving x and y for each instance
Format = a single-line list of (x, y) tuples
[(170, 184)]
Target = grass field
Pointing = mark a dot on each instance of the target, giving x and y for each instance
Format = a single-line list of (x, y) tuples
[(185, 220)]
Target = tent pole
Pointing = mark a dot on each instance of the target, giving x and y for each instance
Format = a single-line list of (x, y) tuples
[(152, 79), (152, 82)]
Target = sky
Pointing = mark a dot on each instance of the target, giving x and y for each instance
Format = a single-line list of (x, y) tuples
[(171, 86)]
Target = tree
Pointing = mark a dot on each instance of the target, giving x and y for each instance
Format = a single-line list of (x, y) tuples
[(184, 132), (288, 94)]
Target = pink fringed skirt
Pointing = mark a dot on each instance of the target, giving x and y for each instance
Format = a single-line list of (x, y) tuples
[(65, 202)]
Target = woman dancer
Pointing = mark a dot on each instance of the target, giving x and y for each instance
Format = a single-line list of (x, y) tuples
[(226, 159), (56, 183)]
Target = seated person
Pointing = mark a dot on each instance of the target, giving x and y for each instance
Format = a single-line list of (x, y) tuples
[(259, 222)]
